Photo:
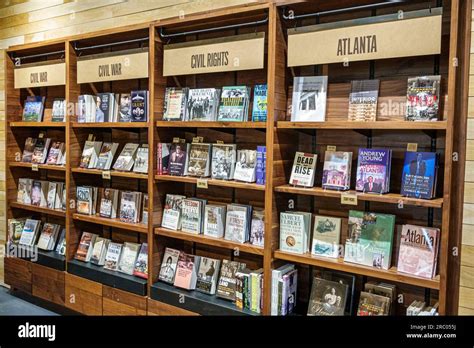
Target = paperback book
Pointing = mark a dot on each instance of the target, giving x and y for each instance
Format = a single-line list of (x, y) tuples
[(302, 173), (33, 109), (169, 265), (214, 220), (234, 103), (177, 159), (186, 271), (223, 161), (337, 170), (327, 298), (227, 280), (175, 104), (259, 107), (199, 160), (419, 175), (423, 98), (363, 100), (373, 170), (207, 275), (203, 104), (246, 165), (326, 236), (295, 230), (309, 99)]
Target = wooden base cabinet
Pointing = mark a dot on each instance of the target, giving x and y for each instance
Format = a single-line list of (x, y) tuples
[(48, 284), (83, 296), (160, 308), (18, 274), (118, 302)]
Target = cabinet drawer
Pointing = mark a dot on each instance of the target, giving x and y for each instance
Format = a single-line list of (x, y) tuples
[(119, 302), (83, 296), (48, 284), (18, 273), (160, 308)]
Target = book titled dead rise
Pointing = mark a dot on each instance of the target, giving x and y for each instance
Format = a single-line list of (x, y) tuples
[(302, 173)]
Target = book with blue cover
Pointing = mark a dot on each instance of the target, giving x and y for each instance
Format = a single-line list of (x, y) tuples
[(259, 108), (373, 170), (33, 110), (419, 175), (260, 171)]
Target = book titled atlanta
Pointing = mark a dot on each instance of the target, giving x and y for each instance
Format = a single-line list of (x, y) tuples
[(419, 175), (373, 170)]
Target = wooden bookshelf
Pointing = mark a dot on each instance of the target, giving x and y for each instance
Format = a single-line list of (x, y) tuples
[(200, 124), (44, 124), (389, 125), (211, 182), (40, 166), (36, 209), (131, 175), (109, 124), (141, 228)]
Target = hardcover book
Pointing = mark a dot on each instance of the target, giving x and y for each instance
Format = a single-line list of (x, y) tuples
[(84, 200), (175, 104), (106, 155), (163, 158), (234, 104), (172, 212), (59, 110), (125, 114), (295, 229), (257, 228), (370, 239), (419, 175), (48, 236), (30, 232), (169, 265), (109, 203), (214, 220), (141, 265), (423, 98), (55, 153), (337, 170), (326, 236), (33, 109), (372, 304), (128, 257), (237, 223), (418, 251), (309, 99), (112, 256), (177, 159), (141, 160), (259, 107), (199, 160), (126, 159), (99, 250), (373, 170), (139, 106), (227, 280), (84, 250), (302, 173), (203, 104), (327, 298), (30, 144), (223, 161), (207, 275), (191, 215), (246, 165), (41, 150), (186, 272), (130, 206), (363, 100)]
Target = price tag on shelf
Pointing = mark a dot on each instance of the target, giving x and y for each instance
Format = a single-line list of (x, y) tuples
[(202, 183), (196, 140), (106, 174), (34, 167), (349, 199), (219, 142), (331, 148), (90, 137), (412, 147), (176, 140), (41, 135)]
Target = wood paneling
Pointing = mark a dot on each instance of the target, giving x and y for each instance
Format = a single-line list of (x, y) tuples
[(83, 296), (118, 302), (48, 284), (160, 308)]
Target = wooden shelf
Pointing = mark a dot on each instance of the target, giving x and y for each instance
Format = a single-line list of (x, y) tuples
[(131, 175), (29, 207), (40, 166), (392, 198), (37, 124), (202, 239), (340, 265), (204, 124), (141, 228), (211, 182), (110, 125), (399, 125)]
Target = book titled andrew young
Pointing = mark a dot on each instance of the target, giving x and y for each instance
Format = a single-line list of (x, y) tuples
[(419, 175), (302, 173), (373, 170)]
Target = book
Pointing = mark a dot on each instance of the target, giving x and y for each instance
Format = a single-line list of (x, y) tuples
[(30, 232), (36, 193), (287, 287), (30, 144), (15, 229), (326, 236), (141, 160), (128, 257), (260, 170), (61, 247), (423, 98), (233, 104), (87, 107), (203, 104), (33, 109), (25, 186), (277, 275), (40, 153), (370, 239), (186, 271), (256, 284), (418, 251), (85, 247), (59, 110), (175, 104), (48, 236), (337, 170), (198, 161), (214, 220), (309, 99), (172, 212), (141, 264), (105, 107), (327, 298), (346, 279), (56, 153), (237, 224), (106, 155), (126, 159), (191, 215), (139, 106), (373, 170), (372, 304), (177, 159), (227, 280), (130, 206), (419, 175), (207, 275), (259, 106), (242, 289), (223, 161), (125, 108), (51, 197), (295, 231), (84, 198), (112, 256), (385, 290), (99, 251), (257, 227), (246, 165), (163, 158), (363, 100), (60, 189), (302, 173), (169, 265), (145, 209), (109, 203), (90, 154)]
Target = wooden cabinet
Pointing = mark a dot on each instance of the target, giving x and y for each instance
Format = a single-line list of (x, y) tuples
[(48, 284), (160, 308), (83, 296), (18, 274), (119, 302)]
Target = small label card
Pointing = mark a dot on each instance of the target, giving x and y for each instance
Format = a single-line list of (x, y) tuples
[(202, 183), (349, 199), (412, 147), (106, 174), (331, 148), (34, 167)]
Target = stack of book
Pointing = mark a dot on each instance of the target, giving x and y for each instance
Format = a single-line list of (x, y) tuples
[(284, 287), (36, 151), (42, 193)]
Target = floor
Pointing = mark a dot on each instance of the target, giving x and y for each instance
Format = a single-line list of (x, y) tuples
[(12, 305)]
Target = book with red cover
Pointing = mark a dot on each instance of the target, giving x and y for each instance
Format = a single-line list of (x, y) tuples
[(186, 273)]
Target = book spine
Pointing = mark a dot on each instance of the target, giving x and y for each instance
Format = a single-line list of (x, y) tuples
[(253, 296), (159, 159), (246, 291), (260, 170)]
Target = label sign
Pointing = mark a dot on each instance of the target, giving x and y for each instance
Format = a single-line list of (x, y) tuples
[(40, 75), (380, 37), (348, 198), (241, 52), (106, 174), (202, 183), (99, 68), (412, 147)]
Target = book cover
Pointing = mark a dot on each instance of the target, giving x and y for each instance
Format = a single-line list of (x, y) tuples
[(125, 114), (309, 99), (175, 104), (33, 109), (261, 163), (337, 170), (203, 104), (84, 200), (84, 249), (214, 220), (327, 298), (99, 250), (326, 236), (141, 160), (302, 173), (29, 233), (186, 272), (112, 256), (346, 279), (30, 144), (128, 257), (373, 170), (418, 251), (223, 161), (198, 159), (207, 275), (227, 280), (363, 100), (139, 106), (236, 223), (246, 165), (372, 304), (126, 159), (55, 152), (419, 175), (172, 212), (259, 107), (423, 98), (59, 110), (169, 265), (141, 265), (233, 104), (294, 234), (128, 207), (36, 193), (191, 210), (257, 228), (177, 159), (163, 160)]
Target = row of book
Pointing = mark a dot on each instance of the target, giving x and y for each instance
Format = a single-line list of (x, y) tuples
[(42, 193), (309, 94), (369, 242), (101, 155), (114, 107), (128, 206), (43, 150), (218, 161), (26, 231), (234, 222), (229, 104), (229, 280), (33, 109), (373, 172), (129, 258)]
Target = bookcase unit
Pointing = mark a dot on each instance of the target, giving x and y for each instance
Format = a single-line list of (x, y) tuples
[(99, 292)]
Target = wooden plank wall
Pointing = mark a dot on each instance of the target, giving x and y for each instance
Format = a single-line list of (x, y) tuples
[(25, 21), (466, 291)]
